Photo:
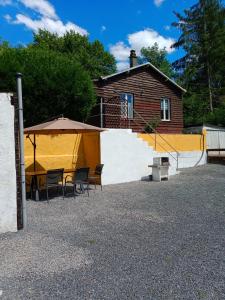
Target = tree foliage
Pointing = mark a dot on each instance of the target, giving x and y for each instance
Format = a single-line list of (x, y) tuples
[(53, 84), (157, 57), (202, 69), (92, 56), (57, 74)]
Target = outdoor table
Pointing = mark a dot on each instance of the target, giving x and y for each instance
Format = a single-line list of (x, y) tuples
[(34, 179)]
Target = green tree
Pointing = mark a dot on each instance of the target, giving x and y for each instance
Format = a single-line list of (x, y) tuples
[(91, 55), (157, 57), (53, 83), (202, 68)]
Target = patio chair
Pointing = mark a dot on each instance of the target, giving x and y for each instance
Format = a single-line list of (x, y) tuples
[(29, 187), (54, 178), (80, 178), (97, 175)]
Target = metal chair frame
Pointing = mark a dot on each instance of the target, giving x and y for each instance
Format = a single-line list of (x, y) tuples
[(53, 177), (80, 178), (98, 172)]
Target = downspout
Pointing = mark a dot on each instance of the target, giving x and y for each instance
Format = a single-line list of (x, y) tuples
[(101, 112), (21, 150)]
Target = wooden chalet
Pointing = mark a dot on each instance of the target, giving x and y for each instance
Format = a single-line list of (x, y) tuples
[(139, 95)]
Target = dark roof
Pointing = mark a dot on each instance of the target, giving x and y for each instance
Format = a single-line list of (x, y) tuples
[(140, 67), (203, 125)]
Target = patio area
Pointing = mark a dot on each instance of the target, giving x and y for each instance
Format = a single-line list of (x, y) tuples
[(141, 240)]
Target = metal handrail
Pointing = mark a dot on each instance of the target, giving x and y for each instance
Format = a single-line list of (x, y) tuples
[(156, 132), (159, 144), (153, 129)]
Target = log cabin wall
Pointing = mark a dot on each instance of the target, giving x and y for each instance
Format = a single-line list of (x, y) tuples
[(148, 88)]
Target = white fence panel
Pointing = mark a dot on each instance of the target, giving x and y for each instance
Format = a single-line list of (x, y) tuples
[(215, 139), (222, 139)]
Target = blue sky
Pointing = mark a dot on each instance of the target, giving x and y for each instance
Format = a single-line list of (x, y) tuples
[(119, 25)]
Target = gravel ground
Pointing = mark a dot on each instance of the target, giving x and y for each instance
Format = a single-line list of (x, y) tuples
[(141, 240)]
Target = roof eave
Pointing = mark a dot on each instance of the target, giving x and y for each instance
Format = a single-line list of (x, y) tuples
[(104, 78)]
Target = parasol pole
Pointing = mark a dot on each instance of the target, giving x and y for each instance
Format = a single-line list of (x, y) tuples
[(34, 145)]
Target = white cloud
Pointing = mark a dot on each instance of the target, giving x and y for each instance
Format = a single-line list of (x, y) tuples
[(167, 27), (54, 26), (5, 2), (158, 2), (47, 18), (122, 65), (147, 38), (8, 18), (120, 51), (103, 28), (138, 40), (43, 7)]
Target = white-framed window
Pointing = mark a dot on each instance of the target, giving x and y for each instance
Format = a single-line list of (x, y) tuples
[(127, 105), (165, 109)]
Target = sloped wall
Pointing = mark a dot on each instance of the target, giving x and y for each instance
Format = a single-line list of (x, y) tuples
[(8, 206), (175, 142), (125, 156), (190, 149)]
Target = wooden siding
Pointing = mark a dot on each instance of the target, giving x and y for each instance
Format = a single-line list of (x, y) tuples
[(148, 88)]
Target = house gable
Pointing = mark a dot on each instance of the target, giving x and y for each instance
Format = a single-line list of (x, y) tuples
[(152, 69)]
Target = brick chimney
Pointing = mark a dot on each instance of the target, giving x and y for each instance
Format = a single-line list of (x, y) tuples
[(133, 59)]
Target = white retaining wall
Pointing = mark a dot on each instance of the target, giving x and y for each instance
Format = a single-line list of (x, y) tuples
[(126, 157), (8, 205), (186, 159)]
